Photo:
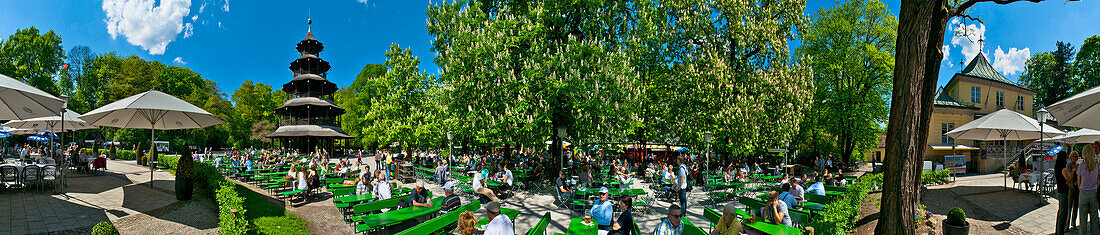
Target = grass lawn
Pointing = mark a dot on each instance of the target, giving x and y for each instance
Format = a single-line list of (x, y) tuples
[(269, 218)]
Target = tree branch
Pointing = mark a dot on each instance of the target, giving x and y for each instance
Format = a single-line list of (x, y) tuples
[(957, 11)]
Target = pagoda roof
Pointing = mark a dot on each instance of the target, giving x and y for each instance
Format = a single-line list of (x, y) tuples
[(302, 104), (303, 82), (979, 67), (319, 131)]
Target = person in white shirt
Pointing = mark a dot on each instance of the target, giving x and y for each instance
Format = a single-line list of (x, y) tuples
[(382, 187), (797, 191), (480, 189), (499, 224)]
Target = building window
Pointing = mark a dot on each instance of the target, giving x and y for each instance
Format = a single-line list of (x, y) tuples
[(975, 94), (944, 128), (1000, 99), (1020, 102)]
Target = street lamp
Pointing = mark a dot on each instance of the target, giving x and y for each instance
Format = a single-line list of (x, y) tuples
[(450, 143), (1043, 115)]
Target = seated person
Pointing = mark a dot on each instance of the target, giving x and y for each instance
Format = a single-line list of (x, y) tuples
[(361, 185), (382, 187), (817, 187), (564, 188), (420, 197), (479, 183), (467, 224), (671, 225), (786, 195), (728, 224), (450, 203), (775, 211), (602, 209), (625, 223), (500, 224)]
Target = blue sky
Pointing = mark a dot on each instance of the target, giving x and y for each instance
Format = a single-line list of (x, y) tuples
[(231, 41)]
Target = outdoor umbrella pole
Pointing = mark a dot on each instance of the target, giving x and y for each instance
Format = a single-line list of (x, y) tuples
[(152, 152)]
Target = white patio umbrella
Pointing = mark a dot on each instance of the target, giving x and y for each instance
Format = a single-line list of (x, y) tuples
[(152, 110), (1004, 125), (20, 101), (1080, 110), (1079, 136), (68, 121)]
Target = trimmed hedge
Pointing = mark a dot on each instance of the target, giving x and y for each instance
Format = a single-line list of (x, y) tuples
[(122, 154), (935, 177), (839, 217), (231, 209), (104, 228)]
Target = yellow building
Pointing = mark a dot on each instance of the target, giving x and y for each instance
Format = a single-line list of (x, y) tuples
[(975, 91)]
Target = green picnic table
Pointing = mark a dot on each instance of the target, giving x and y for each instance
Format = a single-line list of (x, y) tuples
[(493, 183), (354, 198), (377, 221), (774, 229), (813, 206), (337, 186), (770, 177), (505, 211), (577, 227)]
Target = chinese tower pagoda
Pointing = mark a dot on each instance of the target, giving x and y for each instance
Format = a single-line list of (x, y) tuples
[(309, 120)]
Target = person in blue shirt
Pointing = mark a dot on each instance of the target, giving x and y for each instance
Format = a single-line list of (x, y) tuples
[(786, 196), (817, 187), (248, 165), (601, 210)]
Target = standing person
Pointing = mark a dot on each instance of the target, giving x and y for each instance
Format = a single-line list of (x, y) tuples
[(682, 183), (1086, 175), (1063, 189), (1074, 191)]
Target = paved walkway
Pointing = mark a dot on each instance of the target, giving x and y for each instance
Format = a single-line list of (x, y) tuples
[(120, 194), (984, 198)]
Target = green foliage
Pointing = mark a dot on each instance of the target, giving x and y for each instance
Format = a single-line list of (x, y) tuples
[(513, 72), (1088, 64), (125, 154), (32, 58), (231, 210), (851, 49), (168, 162), (839, 217), (253, 103), (185, 167), (356, 99), (104, 228), (956, 216), (1051, 75), (935, 177)]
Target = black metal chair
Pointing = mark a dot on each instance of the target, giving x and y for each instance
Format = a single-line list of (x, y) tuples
[(49, 173), (9, 175), (30, 174)]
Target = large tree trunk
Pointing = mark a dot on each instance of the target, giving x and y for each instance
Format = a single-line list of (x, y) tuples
[(921, 29)]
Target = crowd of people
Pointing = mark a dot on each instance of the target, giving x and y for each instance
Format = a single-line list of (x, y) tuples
[(1075, 177)]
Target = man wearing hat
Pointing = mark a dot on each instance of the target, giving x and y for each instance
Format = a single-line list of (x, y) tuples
[(452, 201), (601, 210), (500, 223)]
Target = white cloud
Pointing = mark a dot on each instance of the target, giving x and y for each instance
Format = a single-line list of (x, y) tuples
[(1011, 62), (225, 7), (188, 30), (202, 7), (179, 60), (363, 1), (144, 24), (195, 18), (946, 54), (968, 37)]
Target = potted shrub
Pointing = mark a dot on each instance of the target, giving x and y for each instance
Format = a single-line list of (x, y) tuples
[(185, 177), (956, 224)]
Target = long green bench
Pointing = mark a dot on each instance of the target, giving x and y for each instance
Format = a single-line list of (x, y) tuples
[(712, 215), (690, 229), (540, 227), (438, 223), (376, 205), (371, 222), (819, 199)]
